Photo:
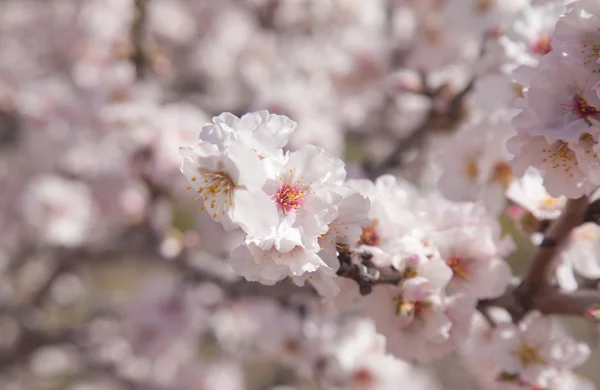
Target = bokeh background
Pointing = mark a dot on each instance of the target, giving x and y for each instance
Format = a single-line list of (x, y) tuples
[(109, 275)]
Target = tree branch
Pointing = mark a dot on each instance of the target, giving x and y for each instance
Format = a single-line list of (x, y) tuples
[(558, 231), (534, 293), (138, 35), (365, 274), (433, 120), (584, 303)]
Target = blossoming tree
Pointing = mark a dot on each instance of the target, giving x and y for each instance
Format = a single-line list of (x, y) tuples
[(347, 192)]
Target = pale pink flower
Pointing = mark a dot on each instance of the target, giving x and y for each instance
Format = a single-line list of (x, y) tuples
[(474, 256), (556, 161), (229, 183), (577, 34), (475, 162), (261, 131), (529, 193), (269, 266), (531, 351), (529, 37), (390, 214), (559, 102), (580, 256)]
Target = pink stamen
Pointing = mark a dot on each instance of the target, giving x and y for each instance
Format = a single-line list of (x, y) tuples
[(289, 198), (581, 108), (543, 45)]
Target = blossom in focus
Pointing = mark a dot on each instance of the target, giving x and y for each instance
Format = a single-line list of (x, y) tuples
[(389, 215), (261, 131), (419, 321), (228, 182)]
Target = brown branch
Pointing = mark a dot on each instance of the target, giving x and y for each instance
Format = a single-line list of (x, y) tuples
[(558, 231), (138, 37), (583, 303), (509, 301), (366, 275), (433, 120), (534, 293), (593, 212)]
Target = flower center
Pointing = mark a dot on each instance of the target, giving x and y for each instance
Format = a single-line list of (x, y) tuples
[(502, 173), (369, 235), (216, 183), (291, 346), (588, 232), (560, 156), (219, 188), (289, 197), (517, 90), (363, 378), (471, 169), (549, 203), (543, 45), (409, 309), (592, 49), (482, 6), (528, 356), (459, 266), (581, 108)]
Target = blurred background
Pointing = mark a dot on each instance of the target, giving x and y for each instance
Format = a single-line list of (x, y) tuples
[(110, 278)]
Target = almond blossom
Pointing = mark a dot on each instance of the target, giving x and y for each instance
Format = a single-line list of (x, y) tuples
[(529, 37), (419, 321), (263, 132), (558, 126), (475, 162), (303, 205), (389, 216), (229, 182), (577, 34), (529, 193), (532, 353), (581, 256), (358, 360), (476, 258)]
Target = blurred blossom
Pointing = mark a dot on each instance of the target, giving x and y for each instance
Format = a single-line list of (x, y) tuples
[(54, 361), (60, 210)]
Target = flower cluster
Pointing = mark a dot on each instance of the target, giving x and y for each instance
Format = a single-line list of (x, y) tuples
[(529, 355), (292, 206), (445, 255), (558, 124)]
